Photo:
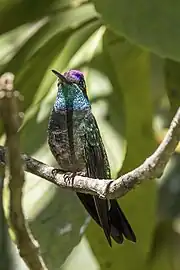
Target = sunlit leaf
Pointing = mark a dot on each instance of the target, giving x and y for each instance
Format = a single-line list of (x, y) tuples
[(151, 24)]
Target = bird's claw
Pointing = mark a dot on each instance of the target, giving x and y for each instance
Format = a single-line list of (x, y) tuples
[(56, 171), (124, 183), (68, 177)]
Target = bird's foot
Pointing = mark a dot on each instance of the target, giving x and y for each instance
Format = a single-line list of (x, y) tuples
[(69, 176), (56, 171), (126, 186)]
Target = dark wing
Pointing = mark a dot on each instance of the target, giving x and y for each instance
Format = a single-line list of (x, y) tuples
[(97, 166), (106, 213)]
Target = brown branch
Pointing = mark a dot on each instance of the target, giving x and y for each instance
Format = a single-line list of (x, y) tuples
[(152, 167), (27, 246)]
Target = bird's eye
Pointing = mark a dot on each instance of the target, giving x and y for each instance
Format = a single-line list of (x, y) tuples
[(58, 83), (82, 85)]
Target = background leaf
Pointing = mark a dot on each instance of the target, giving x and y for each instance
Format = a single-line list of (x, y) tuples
[(166, 238), (153, 24)]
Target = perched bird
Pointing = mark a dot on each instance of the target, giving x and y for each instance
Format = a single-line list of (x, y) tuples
[(75, 141)]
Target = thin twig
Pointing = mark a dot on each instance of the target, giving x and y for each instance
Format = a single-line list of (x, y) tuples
[(27, 246), (152, 167)]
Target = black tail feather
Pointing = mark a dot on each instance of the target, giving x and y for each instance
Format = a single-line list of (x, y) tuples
[(103, 215), (117, 222)]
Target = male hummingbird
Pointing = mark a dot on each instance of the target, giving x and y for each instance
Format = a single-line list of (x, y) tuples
[(75, 141)]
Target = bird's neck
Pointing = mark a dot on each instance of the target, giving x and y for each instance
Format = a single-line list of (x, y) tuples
[(70, 98)]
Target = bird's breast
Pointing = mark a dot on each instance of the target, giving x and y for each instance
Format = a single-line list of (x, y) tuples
[(65, 138)]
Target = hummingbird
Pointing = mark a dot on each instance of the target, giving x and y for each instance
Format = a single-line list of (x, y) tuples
[(75, 142)]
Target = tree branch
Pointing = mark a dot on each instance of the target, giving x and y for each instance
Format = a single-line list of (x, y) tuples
[(152, 167), (28, 247)]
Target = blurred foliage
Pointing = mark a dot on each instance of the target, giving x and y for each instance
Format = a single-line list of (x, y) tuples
[(153, 24), (9, 257), (134, 95), (5, 256)]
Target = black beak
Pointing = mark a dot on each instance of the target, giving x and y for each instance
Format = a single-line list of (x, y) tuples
[(60, 76)]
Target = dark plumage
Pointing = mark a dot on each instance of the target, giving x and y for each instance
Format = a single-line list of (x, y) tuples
[(76, 143)]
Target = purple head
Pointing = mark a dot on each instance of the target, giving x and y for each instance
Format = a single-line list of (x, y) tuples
[(76, 76)]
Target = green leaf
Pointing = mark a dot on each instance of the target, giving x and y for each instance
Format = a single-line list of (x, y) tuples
[(28, 11), (56, 221), (59, 23), (129, 67), (172, 79), (165, 246), (151, 24), (166, 238)]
